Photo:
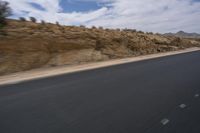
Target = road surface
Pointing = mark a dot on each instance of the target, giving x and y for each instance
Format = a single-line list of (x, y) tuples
[(153, 96)]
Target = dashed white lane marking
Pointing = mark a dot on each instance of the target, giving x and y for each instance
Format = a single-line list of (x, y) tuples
[(182, 106), (196, 95), (164, 121)]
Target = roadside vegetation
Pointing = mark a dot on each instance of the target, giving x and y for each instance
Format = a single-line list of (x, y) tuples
[(5, 11)]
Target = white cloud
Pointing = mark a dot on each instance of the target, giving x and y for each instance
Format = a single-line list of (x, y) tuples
[(147, 15)]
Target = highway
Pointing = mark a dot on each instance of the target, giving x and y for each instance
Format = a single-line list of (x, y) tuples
[(160, 95)]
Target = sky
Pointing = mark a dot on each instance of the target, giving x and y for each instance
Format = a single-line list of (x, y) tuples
[(147, 15)]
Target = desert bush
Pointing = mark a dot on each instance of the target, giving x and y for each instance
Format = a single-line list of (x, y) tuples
[(141, 32), (82, 26), (118, 29), (93, 27), (158, 34), (151, 33), (107, 29), (5, 11), (125, 29), (129, 30), (134, 30), (43, 22), (22, 19), (100, 27), (57, 23), (34, 20)]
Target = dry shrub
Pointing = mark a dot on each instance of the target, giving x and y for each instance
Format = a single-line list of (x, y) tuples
[(22, 19), (34, 20)]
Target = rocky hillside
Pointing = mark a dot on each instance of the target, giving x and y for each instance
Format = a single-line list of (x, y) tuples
[(183, 34), (27, 45)]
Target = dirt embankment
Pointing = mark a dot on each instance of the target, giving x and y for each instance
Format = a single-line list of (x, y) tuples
[(27, 45)]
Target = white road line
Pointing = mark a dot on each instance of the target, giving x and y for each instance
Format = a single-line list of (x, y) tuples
[(164, 121), (182, 106), (196, 95)]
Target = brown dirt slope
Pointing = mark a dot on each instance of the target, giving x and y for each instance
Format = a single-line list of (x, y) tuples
[(27, 45)]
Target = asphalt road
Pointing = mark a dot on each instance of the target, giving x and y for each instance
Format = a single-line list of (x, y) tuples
[(153, 96)]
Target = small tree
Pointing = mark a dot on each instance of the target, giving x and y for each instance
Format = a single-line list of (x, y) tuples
[(82, 26), (141, 32), (107, 29), (43, 22), (57, 23), (22, 19), (93, 27), (118, 29), (134, 30), (151, 33), (100, 27), (34, 20), (5, 11)]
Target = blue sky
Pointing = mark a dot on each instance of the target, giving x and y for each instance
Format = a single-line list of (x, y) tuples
[(147, 15), (79, 6), (73, 6)]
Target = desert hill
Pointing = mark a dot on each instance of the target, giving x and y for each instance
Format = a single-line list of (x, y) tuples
[(183, 34), (28, 45)]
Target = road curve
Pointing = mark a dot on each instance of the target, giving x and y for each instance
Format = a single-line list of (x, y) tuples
[(161, 95)]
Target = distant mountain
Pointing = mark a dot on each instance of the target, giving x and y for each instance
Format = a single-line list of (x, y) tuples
[(183, 34)]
